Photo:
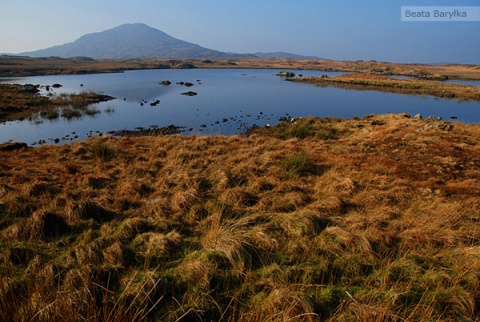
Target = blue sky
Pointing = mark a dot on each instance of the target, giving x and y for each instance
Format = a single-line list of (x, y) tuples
[(335, 29)]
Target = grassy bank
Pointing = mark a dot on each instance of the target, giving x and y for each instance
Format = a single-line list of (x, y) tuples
[(18, 104), (393, 85), (375, 219)]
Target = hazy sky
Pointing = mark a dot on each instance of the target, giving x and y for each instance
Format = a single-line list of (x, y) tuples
[(335, 29)]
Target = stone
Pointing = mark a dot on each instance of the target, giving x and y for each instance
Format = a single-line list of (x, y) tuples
[(190, 93), (11, 146)]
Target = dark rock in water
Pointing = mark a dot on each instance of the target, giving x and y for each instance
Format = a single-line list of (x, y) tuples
[(166, 82), (203, 125), (11, 146), (155, 103), (453, 117), (180, 83), (29, 88), (56, 85), (189, 93), (188, 84), (152, 130)]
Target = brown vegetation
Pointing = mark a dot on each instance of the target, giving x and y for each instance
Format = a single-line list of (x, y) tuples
[(23, 66), (378, 222), (393, 85), (17, 104)]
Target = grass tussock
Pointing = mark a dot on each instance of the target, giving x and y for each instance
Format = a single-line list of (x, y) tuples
[(103, 152), (298, 165), (380, 224)]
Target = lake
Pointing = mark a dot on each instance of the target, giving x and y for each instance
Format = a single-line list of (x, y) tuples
[(228, 101)]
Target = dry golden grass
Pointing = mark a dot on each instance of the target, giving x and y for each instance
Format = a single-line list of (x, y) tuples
[(393, 85), (380, 223)]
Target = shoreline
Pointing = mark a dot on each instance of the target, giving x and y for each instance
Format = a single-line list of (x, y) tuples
[(282, 130), (401, 86)]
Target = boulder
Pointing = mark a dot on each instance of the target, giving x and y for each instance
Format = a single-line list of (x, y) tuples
[(189, 93), (166, 82), (29, 88), (155, 103), (11, 146)]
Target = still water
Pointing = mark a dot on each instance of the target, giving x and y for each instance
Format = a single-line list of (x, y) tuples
[(228, 101)]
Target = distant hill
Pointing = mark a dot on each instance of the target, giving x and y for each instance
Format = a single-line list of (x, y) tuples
[(281, 54), (130, 41)]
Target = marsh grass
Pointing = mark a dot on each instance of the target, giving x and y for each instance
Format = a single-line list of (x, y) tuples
[(302, 128), (50, 114), (71, 113), (386, 84), (17, 104), (367, 227)]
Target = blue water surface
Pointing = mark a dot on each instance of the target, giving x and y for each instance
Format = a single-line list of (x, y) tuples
[(228, 101)]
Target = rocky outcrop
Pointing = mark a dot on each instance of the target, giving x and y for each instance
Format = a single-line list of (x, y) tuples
[(11, 146), (152, 130), (29, 88), (189, 93)]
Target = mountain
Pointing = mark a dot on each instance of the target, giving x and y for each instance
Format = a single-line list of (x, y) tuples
[(281, 54), (130, 41)]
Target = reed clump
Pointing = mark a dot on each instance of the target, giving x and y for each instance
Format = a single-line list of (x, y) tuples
[(379, 224)]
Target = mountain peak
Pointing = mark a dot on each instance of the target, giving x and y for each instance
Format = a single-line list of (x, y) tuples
[(131, 40)]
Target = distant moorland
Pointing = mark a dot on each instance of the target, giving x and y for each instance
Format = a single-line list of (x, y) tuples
[(11, 66)]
